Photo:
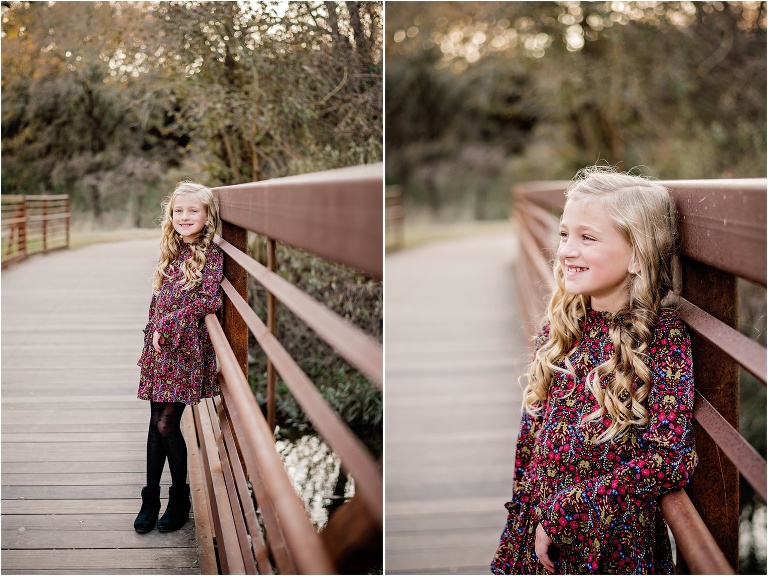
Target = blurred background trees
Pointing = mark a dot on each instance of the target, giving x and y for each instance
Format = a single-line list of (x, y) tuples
[(481, 95), (113, 103)]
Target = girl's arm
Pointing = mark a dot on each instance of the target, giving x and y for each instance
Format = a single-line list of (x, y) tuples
[(666, 464), (152, 305), (205, 300), (526, 436)]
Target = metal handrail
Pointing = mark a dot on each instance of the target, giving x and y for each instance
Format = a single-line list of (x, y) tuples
[(337, 215), (722, 227), (25, 225), (260, 453)]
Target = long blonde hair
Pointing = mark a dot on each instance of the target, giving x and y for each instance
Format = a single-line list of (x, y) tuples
[(644, 214), (171, 241)]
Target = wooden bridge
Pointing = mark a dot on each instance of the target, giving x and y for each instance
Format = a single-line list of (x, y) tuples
[(454, 350), (74, 435)]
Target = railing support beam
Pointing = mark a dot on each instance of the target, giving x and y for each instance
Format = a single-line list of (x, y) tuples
[(714, 489), (272, 327), (233, 324)]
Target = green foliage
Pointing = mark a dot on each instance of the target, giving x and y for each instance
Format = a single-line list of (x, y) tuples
[(483, 95), (752, 423), (113, 103), (355, 297)]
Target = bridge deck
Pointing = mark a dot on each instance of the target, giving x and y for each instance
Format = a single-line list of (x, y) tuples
[(73, 432), (454, 351)]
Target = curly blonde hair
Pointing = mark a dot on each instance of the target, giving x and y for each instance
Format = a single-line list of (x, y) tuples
[(171, 241), (644, 214)]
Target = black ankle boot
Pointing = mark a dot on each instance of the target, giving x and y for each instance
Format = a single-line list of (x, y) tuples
[(177, 512), (150, 508)]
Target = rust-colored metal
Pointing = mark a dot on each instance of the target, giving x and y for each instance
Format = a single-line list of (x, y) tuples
[(353, 454), (692, 538), (227, 541), (745, 351), (276, 541), (394, 215), (335, 214), (272, 327), (748, 460), (722, 223), (67, 220), (260, 551), (257, 442), (238, 514), (234, 327), (204, 533), (359, 349), (33, 224), (714, 488), (352, 538), (208, 473), (45, 226)]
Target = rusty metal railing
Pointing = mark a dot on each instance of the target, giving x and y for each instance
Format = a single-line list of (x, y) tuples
[(32, 224), (722, 226), (394, 215), (338, 216)]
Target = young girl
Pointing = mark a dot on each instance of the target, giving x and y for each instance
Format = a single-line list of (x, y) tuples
[(608, 410), (178, 365)]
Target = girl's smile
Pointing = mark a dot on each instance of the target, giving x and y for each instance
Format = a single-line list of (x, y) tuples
[(595, 257)]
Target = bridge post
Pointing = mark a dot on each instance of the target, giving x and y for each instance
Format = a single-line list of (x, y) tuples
[(233, 324), (45, 225), (272, 327), (714, 489)]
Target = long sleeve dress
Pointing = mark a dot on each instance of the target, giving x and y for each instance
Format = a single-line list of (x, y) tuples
[(599, 503), (185, 368)]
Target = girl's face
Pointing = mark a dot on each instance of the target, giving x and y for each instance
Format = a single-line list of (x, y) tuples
[(189, 216), (595, 258)]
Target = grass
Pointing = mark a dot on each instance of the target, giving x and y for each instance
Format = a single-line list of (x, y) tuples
[(80, 238), (421, 229)]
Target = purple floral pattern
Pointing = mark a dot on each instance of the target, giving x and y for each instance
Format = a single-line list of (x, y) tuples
[(599, 503), (185, 368)]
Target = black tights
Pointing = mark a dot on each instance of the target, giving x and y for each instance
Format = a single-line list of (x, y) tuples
[(165, 440)]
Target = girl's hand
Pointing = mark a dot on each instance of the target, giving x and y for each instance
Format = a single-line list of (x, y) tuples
[(543, 542), (157, 341)]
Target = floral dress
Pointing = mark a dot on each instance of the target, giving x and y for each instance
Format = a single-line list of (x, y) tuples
[(185, 368), (599, 503)]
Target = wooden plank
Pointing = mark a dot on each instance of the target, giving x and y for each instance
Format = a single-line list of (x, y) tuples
[(229, 550), (238, 515), (203, 527), (77, 437), (259, 545), (15, 453), (100, 571), (78, 428), (136, 559), (74, 507), (102, 418), (69, 522), (450, 455), (46, 468), (95, 492), (32, 539), (74, 435), (79, 479)]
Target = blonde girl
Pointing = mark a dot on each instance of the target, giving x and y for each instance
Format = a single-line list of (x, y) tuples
[(608, 408), (178, 365)]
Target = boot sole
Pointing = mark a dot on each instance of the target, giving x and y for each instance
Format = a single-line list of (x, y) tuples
[(165, 530)]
